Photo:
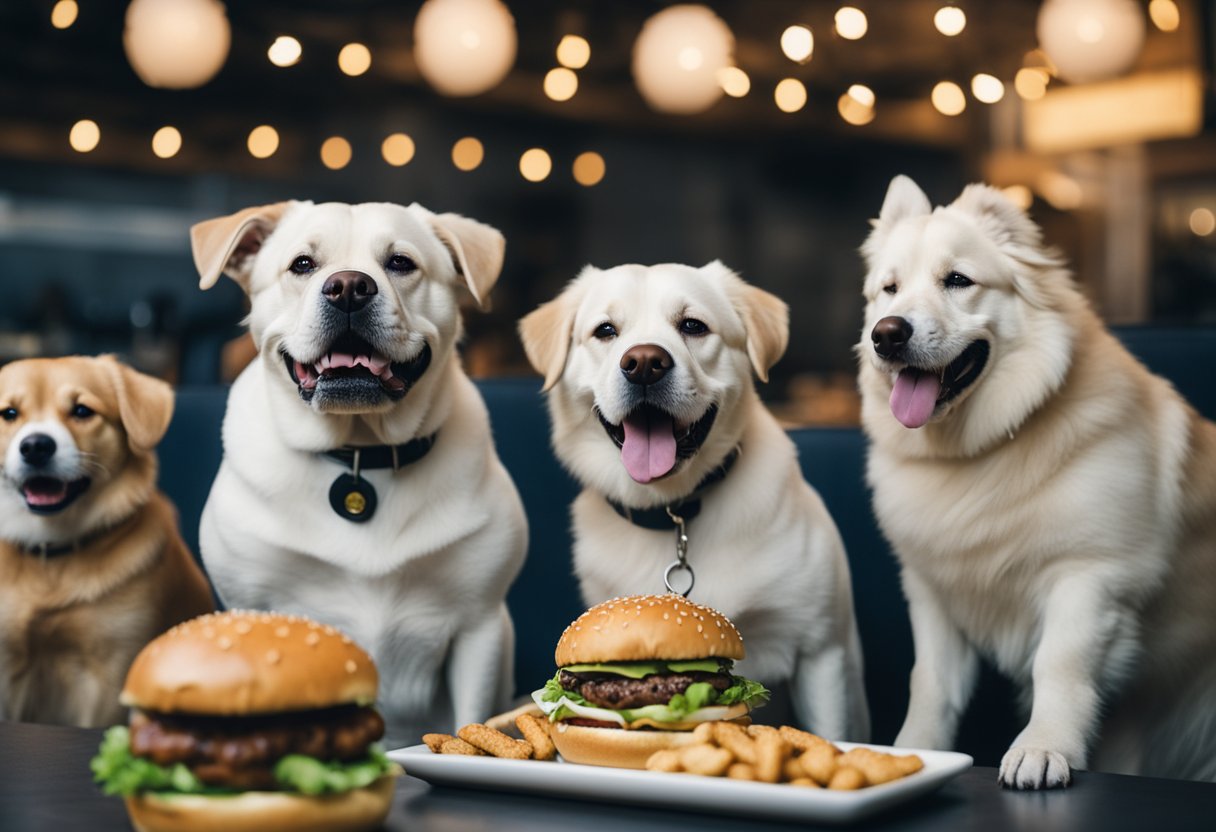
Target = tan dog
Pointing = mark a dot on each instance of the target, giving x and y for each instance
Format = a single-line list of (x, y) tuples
[(649, 378), (1052, 503), (91, 563)]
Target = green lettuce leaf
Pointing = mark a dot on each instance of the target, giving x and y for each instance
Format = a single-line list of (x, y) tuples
[(752, 694), (696, 696), (121, 773)]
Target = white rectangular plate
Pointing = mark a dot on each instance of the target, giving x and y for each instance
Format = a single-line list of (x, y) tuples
[(682, 791)]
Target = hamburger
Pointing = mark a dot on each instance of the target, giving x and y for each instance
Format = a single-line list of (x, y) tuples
[(249, 721), (638, 674)]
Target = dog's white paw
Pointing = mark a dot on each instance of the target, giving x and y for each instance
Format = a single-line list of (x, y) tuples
[(1034, 768)]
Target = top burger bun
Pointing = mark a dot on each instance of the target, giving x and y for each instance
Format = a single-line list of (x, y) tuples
[(648, 628), (240, 663)]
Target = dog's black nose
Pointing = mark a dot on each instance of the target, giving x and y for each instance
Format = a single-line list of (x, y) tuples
[(350, 291), (37, 449), (646, 363), (891, 335)]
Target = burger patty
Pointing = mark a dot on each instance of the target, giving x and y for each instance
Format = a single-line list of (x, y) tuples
[(240, 752), (606, 690)]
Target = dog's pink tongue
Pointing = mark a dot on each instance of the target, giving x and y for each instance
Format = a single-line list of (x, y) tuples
[(649, 451), (45, 491), (914, 396)]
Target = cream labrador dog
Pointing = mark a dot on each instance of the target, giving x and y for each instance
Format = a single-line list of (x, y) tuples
[(359, 484), (649, 373), (1052, 503)]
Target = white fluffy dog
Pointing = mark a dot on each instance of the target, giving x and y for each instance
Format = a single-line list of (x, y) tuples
[(1052, 503), (359, 483), (650, 377)]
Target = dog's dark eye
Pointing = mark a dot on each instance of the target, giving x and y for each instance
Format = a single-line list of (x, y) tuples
[(604, 331), (82, 411), (303, 265), (9, 414), (691, 326), (954, 280), (401, 263), (890, 288)]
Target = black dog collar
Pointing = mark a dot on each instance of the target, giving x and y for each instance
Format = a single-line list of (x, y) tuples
[(53, 550), (659, 518), (353, 498)]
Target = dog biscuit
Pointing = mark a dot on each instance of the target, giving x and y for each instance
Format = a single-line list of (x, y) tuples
[(493, 742)]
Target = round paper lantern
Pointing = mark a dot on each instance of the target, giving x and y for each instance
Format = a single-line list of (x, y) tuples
[(464, 47), (176, 44), (677, 58), (1091, 40)]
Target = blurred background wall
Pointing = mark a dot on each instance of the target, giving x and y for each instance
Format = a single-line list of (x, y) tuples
[(1116, 160)]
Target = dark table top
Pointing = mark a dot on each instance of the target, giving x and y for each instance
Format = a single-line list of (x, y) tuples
[(45, 784)]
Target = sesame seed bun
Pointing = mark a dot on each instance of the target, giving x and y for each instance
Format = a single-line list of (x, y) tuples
[(647, 628), (352, 811), (239, 663)]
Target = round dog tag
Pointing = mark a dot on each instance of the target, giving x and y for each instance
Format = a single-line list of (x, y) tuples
[(353, 498)]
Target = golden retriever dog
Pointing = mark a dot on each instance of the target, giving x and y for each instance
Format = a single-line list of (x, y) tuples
[(1052, 503), (92, 566), (649, 377), (359, 484)]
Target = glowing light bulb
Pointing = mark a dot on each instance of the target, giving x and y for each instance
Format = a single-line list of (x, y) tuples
[(166, 142), (798, 43)]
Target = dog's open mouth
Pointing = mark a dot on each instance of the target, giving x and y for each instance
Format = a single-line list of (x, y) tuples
[(652, 441), (917, 392), (47, 495), (353, 363)]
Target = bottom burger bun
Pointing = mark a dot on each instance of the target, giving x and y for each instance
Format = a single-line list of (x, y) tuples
[(352, 811), (616, 747)]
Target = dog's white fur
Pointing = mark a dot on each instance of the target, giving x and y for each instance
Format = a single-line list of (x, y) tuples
[(763, 549), (1058, 517), (422, 584)]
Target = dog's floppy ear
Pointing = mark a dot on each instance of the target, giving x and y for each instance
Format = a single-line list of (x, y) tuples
[(766, 318), (226, 245), (546, 332), (477, 249), (145, 404), (904, 199)]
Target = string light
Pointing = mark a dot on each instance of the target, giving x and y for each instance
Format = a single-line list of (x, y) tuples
[(1019, 195), (263, 141), (851, 23), (285, 51), (84, 136), (987, 88), (790, 95), (166, 142), (561, 84), (535, 164), (798, 43), (354, 59), (948, 98), (1202, 222), (1031, 82), (573, 52), (64, 14), (856, 106), (950, 20), (176, 44), (1165, 15), (589, 168), (335, 153), (467, 153), (397, 149), (734, 81), (464, 47)]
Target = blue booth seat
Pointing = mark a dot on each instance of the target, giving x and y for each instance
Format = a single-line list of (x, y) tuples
[(544, 599)]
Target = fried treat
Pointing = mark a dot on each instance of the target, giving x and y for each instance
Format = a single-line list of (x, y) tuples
[(805, 782), (741, 771), (508, 721), (458, 746), (708, 760), (493, 742), (879, 767), (734, 738), (802, 740), (771, 753), (792, 769), (819, 762), (704, 732), (666, 760), (536, 731), (847, 778), (755, 731), (436, 741)]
